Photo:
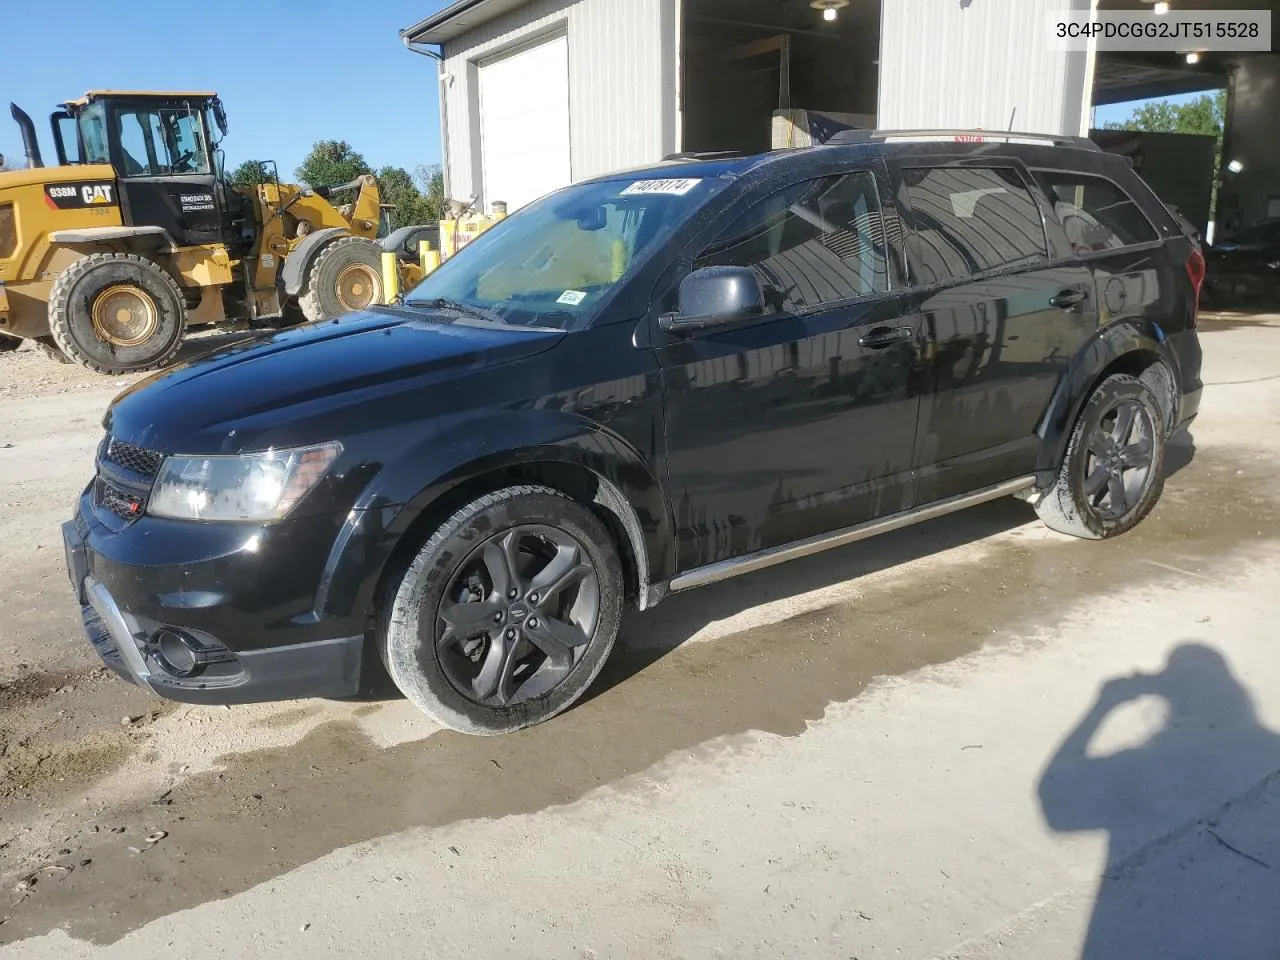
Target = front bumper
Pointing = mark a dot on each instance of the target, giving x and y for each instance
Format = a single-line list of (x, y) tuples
[(246, 646)]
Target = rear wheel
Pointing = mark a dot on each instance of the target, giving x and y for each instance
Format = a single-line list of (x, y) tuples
[(117, 313), (345, 276), (1113, 472), (507, 614)]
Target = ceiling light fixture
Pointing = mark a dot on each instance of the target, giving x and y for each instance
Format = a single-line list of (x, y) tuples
[(1193, 57), (830, 8), (1160, 9), (1235, 166)]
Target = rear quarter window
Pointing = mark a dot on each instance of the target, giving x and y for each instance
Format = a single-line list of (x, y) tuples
[(968, 220), (1096, 214)]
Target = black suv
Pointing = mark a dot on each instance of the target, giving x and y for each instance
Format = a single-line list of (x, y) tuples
[(640, 384)]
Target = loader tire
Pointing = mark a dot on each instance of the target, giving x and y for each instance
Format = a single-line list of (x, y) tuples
[(117, 313), (345, 276)]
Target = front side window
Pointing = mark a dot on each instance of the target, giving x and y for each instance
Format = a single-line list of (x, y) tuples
[(93, 133), (811, 244), (553, 262), (967, 220), (1095, 213), (161, 141)]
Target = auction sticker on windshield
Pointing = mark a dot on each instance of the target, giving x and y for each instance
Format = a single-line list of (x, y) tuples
[(674, 188), (572, 297)]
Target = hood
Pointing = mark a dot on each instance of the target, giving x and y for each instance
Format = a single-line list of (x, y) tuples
[(236, 392)]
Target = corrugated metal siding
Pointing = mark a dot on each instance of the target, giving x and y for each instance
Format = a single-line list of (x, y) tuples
[(618, 64), (948, 64)]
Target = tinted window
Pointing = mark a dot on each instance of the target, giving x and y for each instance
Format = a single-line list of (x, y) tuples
[(969, 219), (814, 243), (1095, 213)]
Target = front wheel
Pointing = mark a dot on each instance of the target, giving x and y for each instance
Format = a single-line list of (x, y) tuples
[(507, 614), (1113, 472), (117, 313), (345, 276)]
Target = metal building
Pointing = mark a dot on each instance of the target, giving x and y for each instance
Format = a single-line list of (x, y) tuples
[(537, 93)]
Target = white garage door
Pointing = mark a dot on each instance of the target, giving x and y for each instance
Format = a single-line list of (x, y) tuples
[(524, 123)]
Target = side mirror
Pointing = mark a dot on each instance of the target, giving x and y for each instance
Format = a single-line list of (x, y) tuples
[(715, 296)]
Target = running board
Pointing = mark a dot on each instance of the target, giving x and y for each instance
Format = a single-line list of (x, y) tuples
[(715, 572)]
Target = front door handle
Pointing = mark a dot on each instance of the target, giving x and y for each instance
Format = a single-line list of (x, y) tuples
[(1071, 297), (881, 337)]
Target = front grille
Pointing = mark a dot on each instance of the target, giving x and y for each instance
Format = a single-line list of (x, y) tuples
[(145, 463), (126, 473), (123, 504)]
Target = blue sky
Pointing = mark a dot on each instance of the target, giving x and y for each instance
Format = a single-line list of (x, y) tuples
[(290, 71)]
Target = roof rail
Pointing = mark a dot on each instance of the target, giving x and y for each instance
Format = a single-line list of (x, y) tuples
[(960, 136), (705, 155)]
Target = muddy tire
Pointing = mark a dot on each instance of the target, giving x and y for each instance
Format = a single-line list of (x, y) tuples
[(506, 615), (9, 344), (1113, 472), (117, 313), (345, 276)]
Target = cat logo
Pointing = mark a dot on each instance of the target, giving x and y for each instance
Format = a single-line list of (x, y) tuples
[(94, 193), (77, 196)]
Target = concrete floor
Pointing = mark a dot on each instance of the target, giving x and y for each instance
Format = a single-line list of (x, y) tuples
[(971, 739)]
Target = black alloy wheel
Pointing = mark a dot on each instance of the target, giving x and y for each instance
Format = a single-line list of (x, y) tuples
[(517, 615)]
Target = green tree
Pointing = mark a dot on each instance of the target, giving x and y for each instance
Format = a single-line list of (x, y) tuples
[(332, 162), (1203, 115), (250, 174), (417, 199)]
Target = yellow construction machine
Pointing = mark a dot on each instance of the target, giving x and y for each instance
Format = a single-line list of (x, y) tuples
[(136, 233)]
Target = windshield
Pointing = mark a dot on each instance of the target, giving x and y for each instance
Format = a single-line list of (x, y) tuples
[(553, 263)]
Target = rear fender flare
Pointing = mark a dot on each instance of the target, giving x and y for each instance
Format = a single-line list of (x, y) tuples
[(1113, 343), (460, 458), (299, 260)]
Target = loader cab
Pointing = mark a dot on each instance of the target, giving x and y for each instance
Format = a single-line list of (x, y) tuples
[(162, 146)]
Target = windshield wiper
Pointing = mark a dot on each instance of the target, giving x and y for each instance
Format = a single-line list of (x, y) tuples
[(457, 306)]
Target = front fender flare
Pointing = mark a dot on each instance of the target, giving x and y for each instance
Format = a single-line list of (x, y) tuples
[(464, 453), (296, 263)]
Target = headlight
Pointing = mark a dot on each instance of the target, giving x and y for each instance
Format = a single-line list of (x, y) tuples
[(249, 487)]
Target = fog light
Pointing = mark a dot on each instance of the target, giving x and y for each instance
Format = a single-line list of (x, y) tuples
[(176, 653)]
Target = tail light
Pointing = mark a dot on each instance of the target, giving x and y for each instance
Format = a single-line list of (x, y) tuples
[(1195, 272)]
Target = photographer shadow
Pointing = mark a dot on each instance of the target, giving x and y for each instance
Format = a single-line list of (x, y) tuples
[(1193, 863)]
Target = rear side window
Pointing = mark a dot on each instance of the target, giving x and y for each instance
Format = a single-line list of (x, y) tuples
[(966, 220), (1095, 213), (813, 243)]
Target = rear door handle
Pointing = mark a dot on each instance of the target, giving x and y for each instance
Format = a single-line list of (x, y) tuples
[(1069, 298), (881, 337)]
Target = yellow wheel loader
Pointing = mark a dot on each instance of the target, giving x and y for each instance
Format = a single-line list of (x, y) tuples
[(136, 233)]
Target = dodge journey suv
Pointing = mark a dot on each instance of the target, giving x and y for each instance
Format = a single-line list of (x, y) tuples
[(636, 385)]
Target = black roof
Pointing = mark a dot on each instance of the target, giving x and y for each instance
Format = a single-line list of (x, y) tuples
[(879, 143)]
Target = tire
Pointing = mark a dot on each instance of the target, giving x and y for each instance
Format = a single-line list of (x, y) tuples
[(117, 313), (1085, 500), (345, 276), (9, 344), (433, 663)]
